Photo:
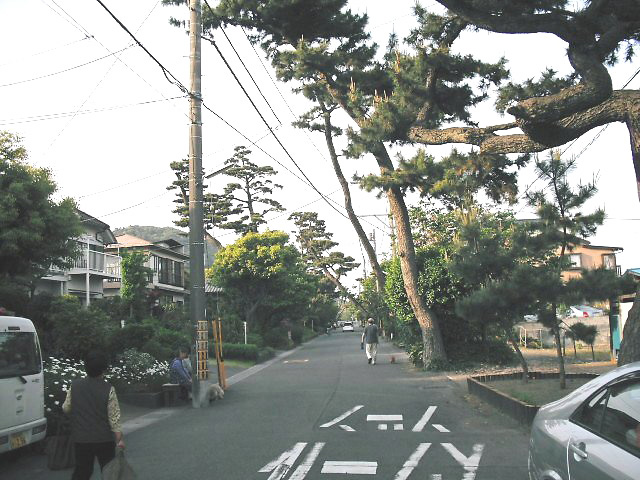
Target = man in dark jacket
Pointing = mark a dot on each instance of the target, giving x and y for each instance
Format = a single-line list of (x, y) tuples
[(95, 417), (370, 339)]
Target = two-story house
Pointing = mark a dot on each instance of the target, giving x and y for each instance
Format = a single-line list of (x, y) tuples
[(584, 255), (166, 261), (86, 276)]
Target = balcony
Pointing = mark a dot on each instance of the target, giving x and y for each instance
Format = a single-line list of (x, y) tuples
[(97, 263)]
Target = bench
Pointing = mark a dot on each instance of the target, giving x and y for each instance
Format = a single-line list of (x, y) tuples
[(171, 394)]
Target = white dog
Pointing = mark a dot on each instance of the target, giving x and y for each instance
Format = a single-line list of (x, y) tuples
[(215, 392)]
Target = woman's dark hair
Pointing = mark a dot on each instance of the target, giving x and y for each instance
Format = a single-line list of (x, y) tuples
[(96, 363)]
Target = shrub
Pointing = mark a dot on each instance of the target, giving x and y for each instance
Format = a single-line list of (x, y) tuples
[(278, 338), (265, 354), (256, 339), (240, 351), (131, 336), (75, 330), (297, 334)]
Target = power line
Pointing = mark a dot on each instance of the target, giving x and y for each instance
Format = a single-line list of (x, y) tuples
[(69, 19), (55, 116), (26, 57), (168, 75), (66, 69), (282, 96), (249, 73)]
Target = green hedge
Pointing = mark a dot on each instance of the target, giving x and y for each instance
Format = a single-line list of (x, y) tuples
[(249, 352)]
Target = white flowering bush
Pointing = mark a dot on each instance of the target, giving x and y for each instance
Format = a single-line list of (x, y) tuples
[(134, 372)]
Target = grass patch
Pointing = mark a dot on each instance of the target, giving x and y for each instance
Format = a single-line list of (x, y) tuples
[(233, 363), (537, 391)]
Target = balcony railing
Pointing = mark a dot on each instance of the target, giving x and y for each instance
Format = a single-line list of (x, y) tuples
[(98, 262)]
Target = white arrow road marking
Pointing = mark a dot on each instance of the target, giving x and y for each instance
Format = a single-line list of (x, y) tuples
[(307, 463), (350, 468), (470, 464), (281, 465), (425, 419), (341, 417), (440, 428), (347, 428), (412, 463)]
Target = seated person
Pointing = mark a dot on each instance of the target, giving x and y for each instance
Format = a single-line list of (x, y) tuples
[(180, 375)]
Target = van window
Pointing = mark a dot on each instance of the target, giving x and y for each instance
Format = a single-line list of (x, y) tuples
[(19, 354)]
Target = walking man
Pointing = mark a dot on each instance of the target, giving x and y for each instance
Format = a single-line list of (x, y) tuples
[(370, 339)]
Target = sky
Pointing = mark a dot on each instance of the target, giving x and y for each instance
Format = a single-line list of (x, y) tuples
[(100, 114)]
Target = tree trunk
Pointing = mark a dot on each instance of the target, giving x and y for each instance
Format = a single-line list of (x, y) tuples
[(434, 351), (630, 347), (373, 259), (563, 382), (575, 352), (521, 359), (633, 125), (593, 355)]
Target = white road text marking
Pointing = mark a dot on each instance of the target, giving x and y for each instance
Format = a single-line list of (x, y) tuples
[(412, 463), (341, 417), (307, 463), (425, 419), (470, 464), (350, 468)]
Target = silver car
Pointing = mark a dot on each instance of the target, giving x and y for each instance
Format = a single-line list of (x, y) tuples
[(591, 434)]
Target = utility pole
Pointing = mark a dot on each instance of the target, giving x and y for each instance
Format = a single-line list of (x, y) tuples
[(196, 212)]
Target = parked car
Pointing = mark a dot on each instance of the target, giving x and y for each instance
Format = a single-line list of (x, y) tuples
[(592, 433), (583, 311), (347, 327)]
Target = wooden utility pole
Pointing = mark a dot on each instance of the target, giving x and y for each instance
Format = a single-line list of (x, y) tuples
[(196, 212)]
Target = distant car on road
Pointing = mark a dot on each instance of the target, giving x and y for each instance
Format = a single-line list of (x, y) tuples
[(347, 327), (583, 311), (592, 433)]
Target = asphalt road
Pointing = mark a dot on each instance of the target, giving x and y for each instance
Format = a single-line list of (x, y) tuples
[(322, 413)]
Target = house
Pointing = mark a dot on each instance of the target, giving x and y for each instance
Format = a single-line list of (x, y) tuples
[(584, 255), (86, 276), (165, 258)]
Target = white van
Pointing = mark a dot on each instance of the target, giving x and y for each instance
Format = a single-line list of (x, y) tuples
[(22, 419)]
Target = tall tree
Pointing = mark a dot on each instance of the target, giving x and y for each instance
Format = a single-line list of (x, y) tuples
[(327, 50), (551, 110), (316, 248), (563, 223), (36, 232), (135, 279), (250, 196)]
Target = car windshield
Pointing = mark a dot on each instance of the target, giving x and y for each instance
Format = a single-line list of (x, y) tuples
[(19, 354)]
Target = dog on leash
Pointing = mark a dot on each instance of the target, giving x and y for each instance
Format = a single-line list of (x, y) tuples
[(215, 392)]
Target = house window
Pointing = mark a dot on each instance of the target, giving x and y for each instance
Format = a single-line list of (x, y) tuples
[(609, 261), (575, 260)]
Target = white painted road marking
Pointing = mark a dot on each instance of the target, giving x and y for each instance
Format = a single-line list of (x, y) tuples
[(436, 476), (347, 428), (341, 417), (398, 426), (412, 463), (425, 419), (307, 463), (296, 361), (384, 418), (471, 463), (440, 428), (281, 465), (382, 426), (350, 468)]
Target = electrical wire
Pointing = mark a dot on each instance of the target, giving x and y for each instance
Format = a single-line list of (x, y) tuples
[(55, 116), (67, 69), (24, 58), (249, 73)]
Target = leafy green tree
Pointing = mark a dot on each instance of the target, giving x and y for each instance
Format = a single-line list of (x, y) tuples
[(135, 279), (585, 333), (263, 278), (36, 232)]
